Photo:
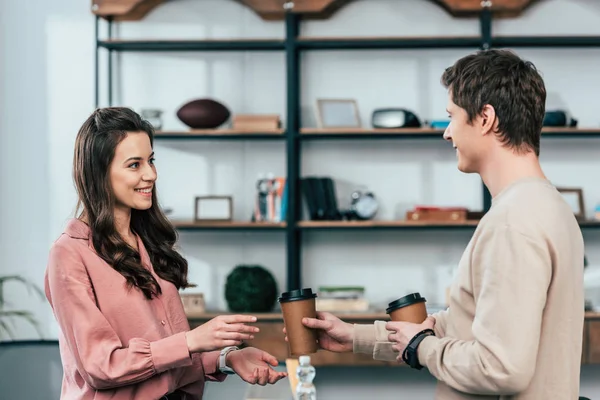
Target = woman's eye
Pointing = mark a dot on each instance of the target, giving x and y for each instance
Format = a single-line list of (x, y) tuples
[(134, 165)]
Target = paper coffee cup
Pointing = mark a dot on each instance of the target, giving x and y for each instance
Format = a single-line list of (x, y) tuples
[(295, 305), (410, 308)]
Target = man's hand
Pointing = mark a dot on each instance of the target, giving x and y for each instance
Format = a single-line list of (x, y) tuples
[(403, 332), (254, 366), (333, 334)]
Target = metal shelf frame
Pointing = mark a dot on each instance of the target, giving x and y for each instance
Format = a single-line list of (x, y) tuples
[(293, 45)]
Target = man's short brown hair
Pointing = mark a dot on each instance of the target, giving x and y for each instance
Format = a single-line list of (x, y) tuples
[(508, 83)]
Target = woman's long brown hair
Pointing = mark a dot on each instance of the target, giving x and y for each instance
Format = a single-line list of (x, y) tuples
[(94, 151)]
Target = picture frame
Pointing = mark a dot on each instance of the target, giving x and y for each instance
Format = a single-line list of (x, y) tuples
[(213, 208), (337, 113), (194, 304), (574, 197)]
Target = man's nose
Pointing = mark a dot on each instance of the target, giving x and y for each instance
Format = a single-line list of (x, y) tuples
[(447, 134)]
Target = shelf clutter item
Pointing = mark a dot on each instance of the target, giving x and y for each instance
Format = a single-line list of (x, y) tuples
[(255, 122), (270, 201), (441, 214), (342, 299), (213, 208), (193, 304), (394, 118), (250, 289), (203, 114)]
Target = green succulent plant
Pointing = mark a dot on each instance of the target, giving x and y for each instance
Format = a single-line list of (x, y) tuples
[(8, 316), (250, 288)]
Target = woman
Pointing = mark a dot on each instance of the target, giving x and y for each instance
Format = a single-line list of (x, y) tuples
[(113, 278)]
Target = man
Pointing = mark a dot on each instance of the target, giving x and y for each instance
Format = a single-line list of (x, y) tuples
[(513, 328)]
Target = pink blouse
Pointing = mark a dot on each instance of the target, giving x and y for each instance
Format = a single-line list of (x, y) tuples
[(114, 343)]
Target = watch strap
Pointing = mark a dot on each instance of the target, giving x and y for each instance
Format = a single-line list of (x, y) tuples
[(410, 355), (223, 358)]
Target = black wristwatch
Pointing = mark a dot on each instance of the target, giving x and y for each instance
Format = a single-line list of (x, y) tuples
[(410, 355)]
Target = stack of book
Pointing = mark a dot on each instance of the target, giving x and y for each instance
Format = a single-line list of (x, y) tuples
[(342, 299)]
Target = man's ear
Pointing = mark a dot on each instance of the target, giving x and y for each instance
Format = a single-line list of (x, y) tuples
[(488, 119)]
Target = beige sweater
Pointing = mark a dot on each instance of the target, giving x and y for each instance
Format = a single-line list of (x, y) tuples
[(514, 325)]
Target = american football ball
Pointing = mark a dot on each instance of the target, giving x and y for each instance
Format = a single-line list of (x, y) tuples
[(203, 114)]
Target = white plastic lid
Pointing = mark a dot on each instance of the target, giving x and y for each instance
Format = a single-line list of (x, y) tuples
[(304, 360)]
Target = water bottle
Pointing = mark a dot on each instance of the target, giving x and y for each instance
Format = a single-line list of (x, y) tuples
[(305, 390)]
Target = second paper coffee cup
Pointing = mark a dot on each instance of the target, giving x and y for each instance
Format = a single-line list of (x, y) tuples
[(295, 305), (410, 308)]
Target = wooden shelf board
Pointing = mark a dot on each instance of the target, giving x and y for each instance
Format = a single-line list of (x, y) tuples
[(371, 38), (187, 224), (426, 130), (590, 223), (567, 130), (347, 316), (278, 317), (218, 132), (209, 40), (426, 133), (220, 44), (363, 131), (393, 224), (387, 42), (406, 224), (237, 134)]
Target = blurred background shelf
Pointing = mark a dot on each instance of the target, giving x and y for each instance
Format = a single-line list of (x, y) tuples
[(427, 133), (139, 45), (352, 225), (220, 134), (387, 43), (404, 133), (272, 339), (407, 225), (546, 41), (365, 317), (278, 317), (187, 225)]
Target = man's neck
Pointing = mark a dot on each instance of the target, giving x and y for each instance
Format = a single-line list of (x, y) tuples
[(506, 167)]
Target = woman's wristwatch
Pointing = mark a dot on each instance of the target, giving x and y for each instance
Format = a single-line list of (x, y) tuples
[(410, 355), (223, 358)]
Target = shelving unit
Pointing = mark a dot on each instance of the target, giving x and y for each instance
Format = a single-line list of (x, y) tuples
[(293, 45), (271, 325)]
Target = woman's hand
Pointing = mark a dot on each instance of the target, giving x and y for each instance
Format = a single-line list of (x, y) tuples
[(220, 332), (254, 366)]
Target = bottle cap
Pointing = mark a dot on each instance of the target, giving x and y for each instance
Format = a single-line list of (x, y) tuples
[(304, 360)]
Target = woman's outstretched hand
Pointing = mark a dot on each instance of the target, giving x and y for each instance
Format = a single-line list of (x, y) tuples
[(254, 366), (220, 332)]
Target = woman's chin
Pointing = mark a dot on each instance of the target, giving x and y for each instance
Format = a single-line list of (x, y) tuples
[(142, 206)]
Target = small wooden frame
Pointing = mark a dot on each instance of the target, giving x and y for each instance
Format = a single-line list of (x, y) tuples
[(194, 305), (574, 197), (213, 209), (337, 113)]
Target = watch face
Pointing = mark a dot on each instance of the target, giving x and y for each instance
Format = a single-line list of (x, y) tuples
[(366, 207)]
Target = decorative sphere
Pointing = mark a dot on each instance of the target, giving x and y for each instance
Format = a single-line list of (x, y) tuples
[(250, 288)]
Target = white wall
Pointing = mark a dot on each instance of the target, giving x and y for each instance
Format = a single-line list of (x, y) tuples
[(24, 137), (48, 90)]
